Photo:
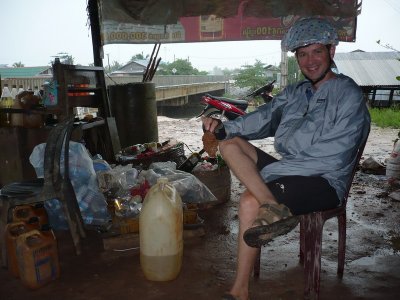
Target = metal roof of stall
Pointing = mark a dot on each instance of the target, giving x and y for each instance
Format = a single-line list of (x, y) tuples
[(370, 68), (165, 21)]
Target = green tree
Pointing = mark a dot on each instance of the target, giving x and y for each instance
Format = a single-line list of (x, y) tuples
[(251, 76), (114, 66), (225, 71), (179, 67), (68, 59), (294, 73), (228, 72), (64, 58), (139, 56), (18, 65)]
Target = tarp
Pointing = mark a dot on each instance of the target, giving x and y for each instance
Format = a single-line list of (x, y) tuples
[(179, 21)]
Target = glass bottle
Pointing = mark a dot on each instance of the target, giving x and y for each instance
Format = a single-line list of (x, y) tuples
[(15, 118), (189, 164), (6, 101), (20, 89), (36, 91)]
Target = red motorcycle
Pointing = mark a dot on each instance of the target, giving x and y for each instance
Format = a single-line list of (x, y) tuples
[(229, 109)]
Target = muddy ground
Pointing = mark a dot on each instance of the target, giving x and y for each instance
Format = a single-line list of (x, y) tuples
[(372, 269)]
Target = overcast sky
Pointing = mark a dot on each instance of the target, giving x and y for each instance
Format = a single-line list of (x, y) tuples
[(33, 31)]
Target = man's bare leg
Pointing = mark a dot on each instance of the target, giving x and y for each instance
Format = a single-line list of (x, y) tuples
[(241, 158), (248, 209)]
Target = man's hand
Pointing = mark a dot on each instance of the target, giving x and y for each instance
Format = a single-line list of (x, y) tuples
[(215, 126), (210, 124)]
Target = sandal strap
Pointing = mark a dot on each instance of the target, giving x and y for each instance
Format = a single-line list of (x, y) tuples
[(272, 211), (280, 210)]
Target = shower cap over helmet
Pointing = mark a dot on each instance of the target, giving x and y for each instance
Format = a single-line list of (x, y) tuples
[(309, 31)]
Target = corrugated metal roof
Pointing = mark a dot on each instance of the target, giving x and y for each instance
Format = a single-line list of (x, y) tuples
[(370, 68), (22, 72), (139, 62)]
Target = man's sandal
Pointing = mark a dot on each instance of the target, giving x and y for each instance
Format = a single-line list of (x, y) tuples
[(228, 297), (265, 228)]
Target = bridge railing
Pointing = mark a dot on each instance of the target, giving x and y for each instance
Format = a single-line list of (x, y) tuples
[(159, 80)]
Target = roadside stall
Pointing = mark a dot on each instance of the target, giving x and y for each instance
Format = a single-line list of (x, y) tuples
[(115, 155)]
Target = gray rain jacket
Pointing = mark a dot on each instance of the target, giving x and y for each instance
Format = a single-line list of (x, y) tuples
[(315, 137)]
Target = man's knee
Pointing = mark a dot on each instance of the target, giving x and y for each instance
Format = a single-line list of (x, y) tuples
[(230, 145)]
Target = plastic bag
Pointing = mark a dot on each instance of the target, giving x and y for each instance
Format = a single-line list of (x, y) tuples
[(92, 203), (117, 179), (189, 187)]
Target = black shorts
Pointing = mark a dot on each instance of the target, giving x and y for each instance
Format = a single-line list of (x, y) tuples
[(301, 194)]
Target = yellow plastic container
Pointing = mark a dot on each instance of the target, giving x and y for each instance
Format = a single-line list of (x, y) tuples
[(12, 232), (25, 212), (37, 257), (161, 232)]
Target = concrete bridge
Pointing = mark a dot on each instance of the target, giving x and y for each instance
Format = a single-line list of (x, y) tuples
[(171, 90), (176, 90)]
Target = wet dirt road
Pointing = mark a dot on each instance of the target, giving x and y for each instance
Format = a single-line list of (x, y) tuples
[(372, 269)]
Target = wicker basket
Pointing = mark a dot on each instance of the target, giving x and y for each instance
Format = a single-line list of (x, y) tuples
[(219, 183), (176, 154)]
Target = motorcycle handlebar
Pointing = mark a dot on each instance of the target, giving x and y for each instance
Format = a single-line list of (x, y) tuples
[(266, 88)]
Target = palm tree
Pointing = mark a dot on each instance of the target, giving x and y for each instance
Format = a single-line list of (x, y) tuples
[(18, 65)]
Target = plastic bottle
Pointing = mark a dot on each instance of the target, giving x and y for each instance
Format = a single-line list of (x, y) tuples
[(12, 232), (161, 232), (6, 101), (37, 258), (189, 164), (14, 91)]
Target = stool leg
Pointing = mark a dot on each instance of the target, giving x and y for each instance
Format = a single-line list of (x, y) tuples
[(3, 224), (342, 244), (313, 244), (256, 267), (302, 241)]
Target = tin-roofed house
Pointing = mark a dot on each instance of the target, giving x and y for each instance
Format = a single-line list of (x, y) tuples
[(28, 77), (135, 67), (375, 73)]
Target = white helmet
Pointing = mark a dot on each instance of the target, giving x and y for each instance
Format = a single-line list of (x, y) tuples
[(309, 31)]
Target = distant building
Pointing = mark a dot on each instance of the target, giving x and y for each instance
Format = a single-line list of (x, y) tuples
[(24, 72), (136, 67), (273, 72), (374, 72)]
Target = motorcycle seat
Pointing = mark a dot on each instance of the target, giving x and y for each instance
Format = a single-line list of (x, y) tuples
[(229, 100)]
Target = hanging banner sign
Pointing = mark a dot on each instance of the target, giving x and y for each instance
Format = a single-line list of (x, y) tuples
[(141, 22)]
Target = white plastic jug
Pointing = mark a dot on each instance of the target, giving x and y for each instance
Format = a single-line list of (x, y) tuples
[(161, 232), (393, 165)]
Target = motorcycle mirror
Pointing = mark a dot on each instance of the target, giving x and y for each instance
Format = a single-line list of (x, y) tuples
[(266, 88)]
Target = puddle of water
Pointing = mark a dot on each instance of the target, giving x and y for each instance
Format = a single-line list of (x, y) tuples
[(375, 257)]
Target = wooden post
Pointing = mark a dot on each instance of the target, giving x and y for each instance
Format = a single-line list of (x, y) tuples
[(284, 69), (95, 29)]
